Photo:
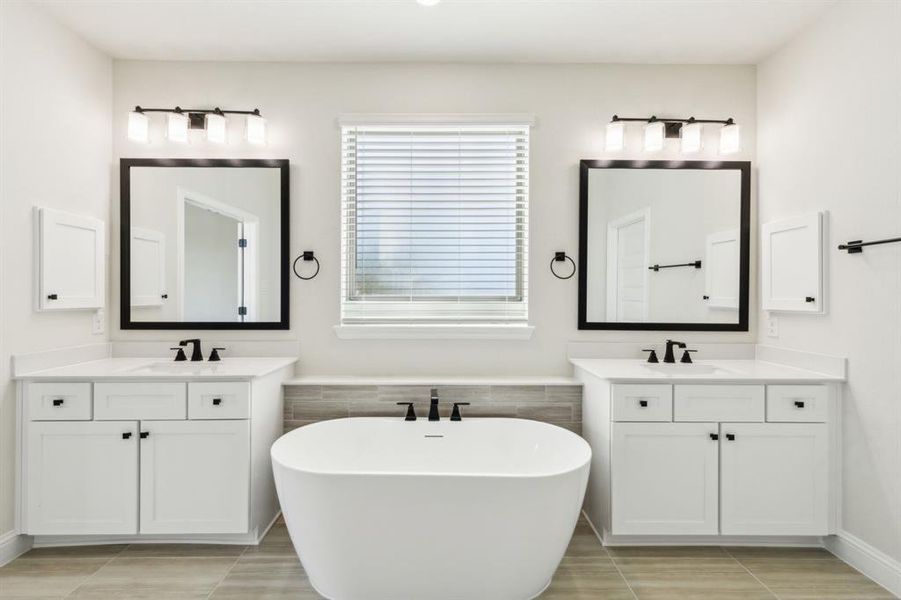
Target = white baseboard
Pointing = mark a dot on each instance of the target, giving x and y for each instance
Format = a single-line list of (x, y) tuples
[(873, 563), (13, 545)]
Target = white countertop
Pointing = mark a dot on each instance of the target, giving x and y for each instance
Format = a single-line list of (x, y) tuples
[(116, 369), (426, 380), (732, 371)]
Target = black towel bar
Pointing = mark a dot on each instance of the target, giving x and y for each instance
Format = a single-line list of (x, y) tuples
[(856, 247), (696, 264)]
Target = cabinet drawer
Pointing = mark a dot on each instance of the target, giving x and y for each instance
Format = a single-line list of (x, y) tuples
[(638, 402), (136, 401), (211, 400), (59, 401), (736, 403), (796, 403)]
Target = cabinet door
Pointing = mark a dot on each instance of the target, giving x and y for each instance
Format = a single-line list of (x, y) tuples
[(71, 261), (81, 478), (664, 478), (774, 479), (721, 266), (148, 267), (195, 476), (791, 265)]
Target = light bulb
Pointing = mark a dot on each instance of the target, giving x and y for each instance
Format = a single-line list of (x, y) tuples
[(730, 139), (138, 127), (256, 129), (691, 138), (177, 127), (215, 128), (654, 133), (615, 139)]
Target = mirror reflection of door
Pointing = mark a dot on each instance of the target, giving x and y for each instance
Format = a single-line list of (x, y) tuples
[(217, 261), (627, 267)]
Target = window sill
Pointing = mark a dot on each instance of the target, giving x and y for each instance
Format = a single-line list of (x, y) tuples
[(434, 332)]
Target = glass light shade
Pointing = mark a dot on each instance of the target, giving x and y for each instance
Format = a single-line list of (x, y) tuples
[(215, 128), (616, 136), (653, 136), (256, 129), (177, 127), (690, 138), (730, 139), (138, 127)]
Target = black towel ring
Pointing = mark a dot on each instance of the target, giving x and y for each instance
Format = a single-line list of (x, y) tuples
[(306, 256), (560, 257)]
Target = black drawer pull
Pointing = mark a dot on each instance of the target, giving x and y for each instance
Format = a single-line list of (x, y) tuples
[(144, 435), (217, 401), (714, 436), (810, 299), (52, 296), (643, 403), (126, 435), (730, 437), (799, 403), (57, 402)]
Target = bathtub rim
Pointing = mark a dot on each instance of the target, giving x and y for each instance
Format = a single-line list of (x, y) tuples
[(493, 475)]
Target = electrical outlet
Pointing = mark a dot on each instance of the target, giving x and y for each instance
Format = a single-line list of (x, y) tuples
[(98, 322), (772, 325)]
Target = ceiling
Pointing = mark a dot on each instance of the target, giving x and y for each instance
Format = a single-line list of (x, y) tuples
[(577, 31)]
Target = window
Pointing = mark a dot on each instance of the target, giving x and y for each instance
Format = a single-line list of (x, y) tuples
[(434, 224)]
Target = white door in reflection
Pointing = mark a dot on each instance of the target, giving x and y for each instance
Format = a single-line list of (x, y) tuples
[(627, 267)]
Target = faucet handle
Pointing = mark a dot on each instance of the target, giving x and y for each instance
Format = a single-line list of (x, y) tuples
[(411, 413), (180, 355), (455, 413), (686, 357), (214, 355), (652, 357)]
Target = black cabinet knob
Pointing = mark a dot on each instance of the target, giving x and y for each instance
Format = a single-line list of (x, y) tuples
[(217, 401), (52, 296), (643, 403), (714, 436), (57, 402), (730, 437), (144, 435), (810, 299), (799, 403), (126, 435)]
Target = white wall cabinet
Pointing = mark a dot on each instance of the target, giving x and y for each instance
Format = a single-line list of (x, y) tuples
[(82, 477), (195, 476), (148, 267), (774, 478), (791, 264), (664, 478), (70, 261)]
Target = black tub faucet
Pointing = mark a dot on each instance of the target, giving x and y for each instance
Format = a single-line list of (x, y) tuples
[(196, 353), (668, 357), (433, 407)]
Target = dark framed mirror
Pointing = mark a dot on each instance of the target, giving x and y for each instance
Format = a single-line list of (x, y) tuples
[(664, 245), (204, 243)]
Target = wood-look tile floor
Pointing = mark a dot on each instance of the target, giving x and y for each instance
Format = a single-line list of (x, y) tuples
[(271, 571)]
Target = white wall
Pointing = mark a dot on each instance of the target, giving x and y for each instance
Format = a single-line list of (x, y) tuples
[(55, 149), (829, 132), (572, 104)]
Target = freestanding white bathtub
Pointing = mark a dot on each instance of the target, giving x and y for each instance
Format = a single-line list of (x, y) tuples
[(387, 509)]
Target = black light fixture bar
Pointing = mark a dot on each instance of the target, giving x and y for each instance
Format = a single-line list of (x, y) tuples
[(696, 264), (856, 247), (217, 110), (653, 118)]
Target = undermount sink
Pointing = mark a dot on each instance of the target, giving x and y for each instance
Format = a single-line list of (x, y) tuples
[(178, 368), (685, 369)]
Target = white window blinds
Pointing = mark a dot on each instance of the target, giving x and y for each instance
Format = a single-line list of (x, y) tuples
[(434, 223)]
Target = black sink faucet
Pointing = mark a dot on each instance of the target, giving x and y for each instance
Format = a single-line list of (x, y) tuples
[(196, 353), (668, 357), (433, 407)]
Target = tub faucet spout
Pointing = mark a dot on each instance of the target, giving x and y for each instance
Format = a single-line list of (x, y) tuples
[(433, 408)]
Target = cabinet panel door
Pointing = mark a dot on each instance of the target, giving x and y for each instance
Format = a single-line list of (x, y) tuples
[(148, 267), (791, 264), (195, 476), (774, 479), (82, 478), (664, 478), (71, 261)]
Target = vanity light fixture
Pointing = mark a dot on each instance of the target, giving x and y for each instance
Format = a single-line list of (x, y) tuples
[(179, 122), (689, 131), (138, 126), (177, 126), (654, 134)]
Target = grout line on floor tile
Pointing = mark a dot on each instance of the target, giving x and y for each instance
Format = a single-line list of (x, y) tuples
[(625, 579), (226, 574), (89, 577), (757, 579)]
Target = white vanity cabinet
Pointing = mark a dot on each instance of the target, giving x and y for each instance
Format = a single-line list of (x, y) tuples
[(703, 461), (156, 459)]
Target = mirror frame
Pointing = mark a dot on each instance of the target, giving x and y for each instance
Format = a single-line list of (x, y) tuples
[(743, 167), (125, 165)]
